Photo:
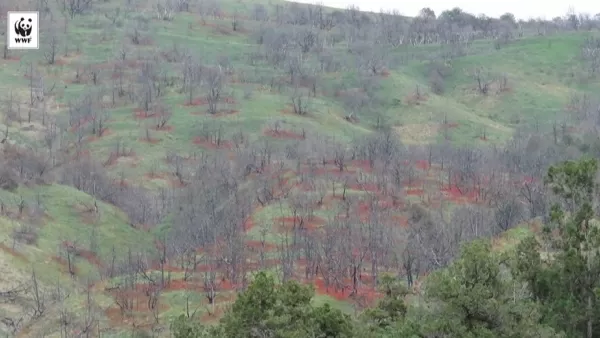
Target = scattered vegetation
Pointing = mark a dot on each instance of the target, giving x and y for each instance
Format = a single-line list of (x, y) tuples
[(227, 169)]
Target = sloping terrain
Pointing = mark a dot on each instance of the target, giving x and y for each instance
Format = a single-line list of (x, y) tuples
[(155, 158)]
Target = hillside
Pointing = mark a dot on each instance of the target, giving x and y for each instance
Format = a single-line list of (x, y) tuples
[(157, 155)]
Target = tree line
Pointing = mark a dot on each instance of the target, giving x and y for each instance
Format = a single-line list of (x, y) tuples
[(546, 286)]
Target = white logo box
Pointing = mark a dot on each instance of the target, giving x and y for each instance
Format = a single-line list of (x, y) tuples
[(23, 30)]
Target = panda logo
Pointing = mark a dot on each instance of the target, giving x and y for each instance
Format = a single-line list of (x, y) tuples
[(23, 27)]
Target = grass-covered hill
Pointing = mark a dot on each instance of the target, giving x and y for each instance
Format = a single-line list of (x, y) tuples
[(156, 154)]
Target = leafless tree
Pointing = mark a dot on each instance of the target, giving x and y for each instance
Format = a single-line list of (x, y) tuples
[(76, 7), (300, 101), (215, 80), (307, 39), (183, 5), (162, 114), (90, 318), (260, 13), (392, 27), (483, 81), (369, 57), (508, 213), (192, 72), (39, 297), (65, 316), (591, 54), (164, 9), (51, 48), (147, 91)]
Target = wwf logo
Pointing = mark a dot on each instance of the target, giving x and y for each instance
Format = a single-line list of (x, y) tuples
[(23, 30), (24, 27)]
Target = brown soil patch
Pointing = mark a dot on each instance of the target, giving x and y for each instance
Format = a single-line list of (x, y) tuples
[(61, 61), (343, 292), (363, 165), (196, 102), (176, 183), (208, 144), (91, 258), (325, 170), (12, 252), (368, 187), (400, 220), (457, 195), (258, 246), (180, 284), (363, 209), (284, 134), (229, 100), (415, 192), (248, 224), (153, 176), (116, 75), (422, 164), (83, 253), (12, 58), (266, 264), (133, 63)]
